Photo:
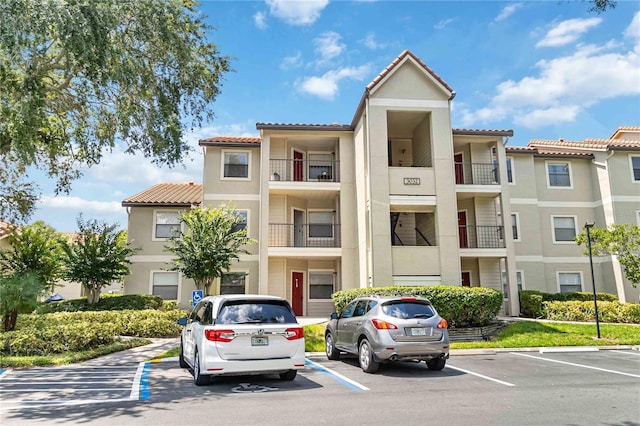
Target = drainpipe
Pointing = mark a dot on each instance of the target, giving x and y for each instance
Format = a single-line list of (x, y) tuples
[(369, 201)]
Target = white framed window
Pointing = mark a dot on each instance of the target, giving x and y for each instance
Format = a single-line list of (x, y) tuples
[(320, 166), (564, 229), (515, 227), (236, 165), (166, 224), (569, 281), (511, 177), (244, 223), (321, 224), (321, 284), (520, 280), (165, 284), (234, 282), (638, 217), (559, 174), (634, 162)]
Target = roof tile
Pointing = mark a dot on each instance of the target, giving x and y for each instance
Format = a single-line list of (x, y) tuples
[(230, 139), (168, 194)]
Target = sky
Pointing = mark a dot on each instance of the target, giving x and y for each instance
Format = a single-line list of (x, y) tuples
[(545, 69)]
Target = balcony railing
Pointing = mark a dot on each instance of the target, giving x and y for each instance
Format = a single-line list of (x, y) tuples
[(304, 170), (306, 235), (481, 236), (477, 174)]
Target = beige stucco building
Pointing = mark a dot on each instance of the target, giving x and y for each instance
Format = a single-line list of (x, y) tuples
[(396, 197)]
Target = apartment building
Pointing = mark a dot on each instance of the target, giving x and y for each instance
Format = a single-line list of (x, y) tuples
[(396, 197)]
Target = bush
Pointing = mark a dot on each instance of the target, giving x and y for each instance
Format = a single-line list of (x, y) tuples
[(615, 312), (107, 302), (460, 306), (531, 301)]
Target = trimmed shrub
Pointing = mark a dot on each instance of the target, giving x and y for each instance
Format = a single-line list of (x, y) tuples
[(614, 312), (107, 302), (531, 301), (460, 306)]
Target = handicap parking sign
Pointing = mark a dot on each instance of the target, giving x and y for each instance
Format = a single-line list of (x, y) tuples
[(196, 296)]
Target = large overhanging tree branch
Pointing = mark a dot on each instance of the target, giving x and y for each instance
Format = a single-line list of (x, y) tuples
[(77, 77)]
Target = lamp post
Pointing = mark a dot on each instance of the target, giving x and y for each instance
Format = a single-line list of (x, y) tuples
[(588, 226)]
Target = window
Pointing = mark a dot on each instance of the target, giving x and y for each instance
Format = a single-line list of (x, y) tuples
[(233, 283), (236, 164), (167, 224), (320, 224), (635, 167), (569, 281), (505, 287), (520, 280), (243, 214), (320, 285), (510, 170), (564, 228), (515, 226), (558, 175), (165, 285), (320, 166)]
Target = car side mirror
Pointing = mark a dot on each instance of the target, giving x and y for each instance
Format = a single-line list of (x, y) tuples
[(334, 315), (182, 321)]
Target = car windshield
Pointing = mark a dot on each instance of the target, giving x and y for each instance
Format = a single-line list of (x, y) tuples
[(405, 309), (254, 312)]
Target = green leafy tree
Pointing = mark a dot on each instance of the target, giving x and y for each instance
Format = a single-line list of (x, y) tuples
[(600, 6), (96, 257), (622, 241), (19, 293), (35, 248), (78, 76), (213, 238)]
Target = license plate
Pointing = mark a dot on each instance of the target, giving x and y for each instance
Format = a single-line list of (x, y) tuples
[(419, 331), (259, 341)]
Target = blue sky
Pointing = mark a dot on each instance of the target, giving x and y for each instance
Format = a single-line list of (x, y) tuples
[(545, 69)]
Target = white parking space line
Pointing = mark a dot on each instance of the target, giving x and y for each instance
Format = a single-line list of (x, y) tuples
[(626, 352), (565, 349), (30, 404), (576, 365), (482, 376), (336, 376), (58, 390)]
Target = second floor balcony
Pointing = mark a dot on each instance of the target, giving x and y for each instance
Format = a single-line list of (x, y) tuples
[(481, 237), (476, 174), (300, 170), (304, 235)]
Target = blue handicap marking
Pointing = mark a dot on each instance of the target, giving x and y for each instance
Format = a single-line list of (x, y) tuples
[(196, 296)]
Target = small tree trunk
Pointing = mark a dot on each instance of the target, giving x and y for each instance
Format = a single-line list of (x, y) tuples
[(93, 296), (10, 320)]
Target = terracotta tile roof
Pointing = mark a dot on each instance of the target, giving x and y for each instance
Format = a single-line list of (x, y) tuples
[(587, 144), (623, 129), (485, 132), (167, 194), (302, 126), (399, 59), (5, 228), (218, 140)]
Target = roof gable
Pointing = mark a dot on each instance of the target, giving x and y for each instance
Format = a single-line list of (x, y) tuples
[(167, 195)]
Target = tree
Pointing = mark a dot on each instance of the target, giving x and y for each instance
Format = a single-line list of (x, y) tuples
[(35, 248), (78, 76), (600, 6), (97, 257), (214, 237), (19, 293), (622, 241)]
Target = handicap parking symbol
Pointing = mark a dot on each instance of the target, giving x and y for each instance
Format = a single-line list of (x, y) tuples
[(196, 296)]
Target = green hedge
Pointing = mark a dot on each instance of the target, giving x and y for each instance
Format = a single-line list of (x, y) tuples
[(531, 301), (460, 306), (44, 334), (107, 302), (615, 312)]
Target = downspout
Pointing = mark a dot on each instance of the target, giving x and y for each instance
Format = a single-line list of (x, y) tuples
[(369, 195)]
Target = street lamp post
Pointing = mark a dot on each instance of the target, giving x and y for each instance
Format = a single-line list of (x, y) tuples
[(588, 226)]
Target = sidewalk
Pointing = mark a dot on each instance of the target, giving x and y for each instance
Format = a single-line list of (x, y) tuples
[(136, 355)]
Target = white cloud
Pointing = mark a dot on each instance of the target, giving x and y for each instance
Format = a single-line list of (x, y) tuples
[(326, 86), (370, 42), (76, 203), (290, 62), (563, 88), (443, 23), (508, 10), (328, 46), (260, 19), (633, 30), (568, 31), (297, 12)]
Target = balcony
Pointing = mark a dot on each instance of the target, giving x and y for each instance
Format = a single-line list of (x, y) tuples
[(481, 237), (304, 235), (477, 174), (303, 170)]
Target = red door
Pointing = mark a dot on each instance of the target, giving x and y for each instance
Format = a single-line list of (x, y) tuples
[(297, 285), (298, 166), (459, 167), (466, 279), (462, 229)]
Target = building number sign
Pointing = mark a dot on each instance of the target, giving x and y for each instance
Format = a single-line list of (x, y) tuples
[(412, 181)]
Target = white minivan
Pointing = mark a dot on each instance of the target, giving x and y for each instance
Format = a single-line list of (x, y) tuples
[(240, 334)]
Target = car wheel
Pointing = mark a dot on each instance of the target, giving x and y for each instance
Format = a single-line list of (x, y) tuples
[(330, 348), (365, 354), (289, 375), (436, 363), (181, 360), (198, 378)]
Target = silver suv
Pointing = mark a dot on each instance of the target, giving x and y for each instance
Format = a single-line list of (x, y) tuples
[(389, 328)]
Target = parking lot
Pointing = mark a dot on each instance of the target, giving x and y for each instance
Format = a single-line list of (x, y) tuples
[(590, 387)]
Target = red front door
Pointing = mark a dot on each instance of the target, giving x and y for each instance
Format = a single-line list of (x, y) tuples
[(462, 230), (459, 167), (466, 279), (297, 286), (298, 166)]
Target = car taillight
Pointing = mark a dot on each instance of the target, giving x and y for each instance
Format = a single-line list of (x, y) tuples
[(294, 333), (219, 335), (442, 324), (408, 298), (383, 325)]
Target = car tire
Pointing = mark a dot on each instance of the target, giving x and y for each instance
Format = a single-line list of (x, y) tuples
[(288, 375), (436, 364), (365, 356), (198, 378), (181, 360), (330, 347)]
